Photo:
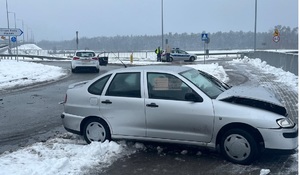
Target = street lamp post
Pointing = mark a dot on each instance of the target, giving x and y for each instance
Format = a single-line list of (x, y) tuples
[(162, 24), (27, 32), (14, 18), (15, 28), (9, 45), (22, 29), (255, 25)]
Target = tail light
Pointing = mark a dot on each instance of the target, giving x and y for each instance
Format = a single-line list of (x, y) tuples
[(75, 58), (95, 58), (66, 99)]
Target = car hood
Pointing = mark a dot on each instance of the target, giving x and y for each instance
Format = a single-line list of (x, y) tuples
[(254, 96)]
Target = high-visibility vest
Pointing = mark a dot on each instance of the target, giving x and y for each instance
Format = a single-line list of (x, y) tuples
[(157, 51)]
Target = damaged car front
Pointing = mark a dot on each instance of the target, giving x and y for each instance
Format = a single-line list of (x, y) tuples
[(247, 119), (258, 110)]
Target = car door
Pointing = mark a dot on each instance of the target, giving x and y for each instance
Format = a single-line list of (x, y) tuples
[(170, 116), (183, 55), (123, 106), (175, 55)]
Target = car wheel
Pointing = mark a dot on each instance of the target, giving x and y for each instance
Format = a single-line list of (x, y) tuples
[(73, 70), (171, 59), (97, 71), (239, 146), (96, 130), (192, 59)]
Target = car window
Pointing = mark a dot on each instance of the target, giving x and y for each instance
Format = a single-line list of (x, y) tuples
[(167, 87), (182, 52), (85, 54), (125, 85), (209, 86), (98, 86)]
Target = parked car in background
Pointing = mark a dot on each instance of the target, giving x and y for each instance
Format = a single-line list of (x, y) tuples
[(85, 60), (178, 104), (179, 55)]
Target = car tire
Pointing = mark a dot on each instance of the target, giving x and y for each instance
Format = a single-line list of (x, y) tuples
[(239, 146), (97, 71), (96, 130), (192, 59), (73, 70), (171, 59)]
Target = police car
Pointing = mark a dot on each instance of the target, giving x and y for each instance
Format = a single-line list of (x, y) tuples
[(179, 55)]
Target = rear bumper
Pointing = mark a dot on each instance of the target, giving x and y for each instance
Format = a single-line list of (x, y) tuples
[(280, 139), (91, 64), (71, 123)]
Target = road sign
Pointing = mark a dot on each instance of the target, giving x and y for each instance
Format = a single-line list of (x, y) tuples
[(276, 39), (204, 36), (207, 41), (13, 39), (10, 32), (276, 32)]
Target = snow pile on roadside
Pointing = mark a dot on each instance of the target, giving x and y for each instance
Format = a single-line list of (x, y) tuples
[(66, 154), (264, 171), (61, 156), (286, 78), (29, 47), (13, 73), (213, 69)]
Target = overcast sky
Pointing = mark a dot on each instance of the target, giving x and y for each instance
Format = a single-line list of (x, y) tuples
[(60, 19)]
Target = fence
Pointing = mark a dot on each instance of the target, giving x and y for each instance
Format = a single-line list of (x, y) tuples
[(286, 61)]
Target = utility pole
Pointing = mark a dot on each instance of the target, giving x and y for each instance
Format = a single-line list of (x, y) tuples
[(255, 21), (77, 41), (9, 45), (162, 24)]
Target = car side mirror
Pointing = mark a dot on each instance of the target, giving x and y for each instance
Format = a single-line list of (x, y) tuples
[(193, 97)]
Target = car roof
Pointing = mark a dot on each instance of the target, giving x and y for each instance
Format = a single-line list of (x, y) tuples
[(156, 68), (84, 51)]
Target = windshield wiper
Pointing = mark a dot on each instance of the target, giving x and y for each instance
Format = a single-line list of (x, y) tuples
[(215, 80)]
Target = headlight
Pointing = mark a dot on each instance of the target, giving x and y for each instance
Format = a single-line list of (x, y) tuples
[(285, 123)]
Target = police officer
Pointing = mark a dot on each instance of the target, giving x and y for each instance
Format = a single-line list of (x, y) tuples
[(158, 53)]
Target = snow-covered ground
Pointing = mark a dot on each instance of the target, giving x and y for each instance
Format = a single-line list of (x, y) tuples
[(68, 154), (14, 73)]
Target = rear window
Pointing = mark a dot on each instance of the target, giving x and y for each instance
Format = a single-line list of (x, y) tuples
[(98, 86), (85, 54)]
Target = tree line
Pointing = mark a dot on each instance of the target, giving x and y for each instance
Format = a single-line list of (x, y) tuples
[(218, 41)]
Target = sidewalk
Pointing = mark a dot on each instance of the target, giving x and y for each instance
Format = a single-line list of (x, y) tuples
[(256, 76)]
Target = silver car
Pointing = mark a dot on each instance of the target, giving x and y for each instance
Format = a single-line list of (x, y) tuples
[(179, 105)]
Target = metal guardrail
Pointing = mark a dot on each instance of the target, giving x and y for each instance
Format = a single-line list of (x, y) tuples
[(238, 54), (288, 61), (8, 56)]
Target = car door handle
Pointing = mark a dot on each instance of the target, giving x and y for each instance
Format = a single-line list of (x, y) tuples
[(152, 105), (106, 102)]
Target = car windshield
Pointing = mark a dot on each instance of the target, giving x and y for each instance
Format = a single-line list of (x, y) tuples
[(85, 54), (209, 85)]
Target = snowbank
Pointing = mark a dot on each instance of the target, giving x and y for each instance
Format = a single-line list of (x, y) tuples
[(13, 73)]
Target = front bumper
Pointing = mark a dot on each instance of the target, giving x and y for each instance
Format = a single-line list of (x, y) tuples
[(280, 139)]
